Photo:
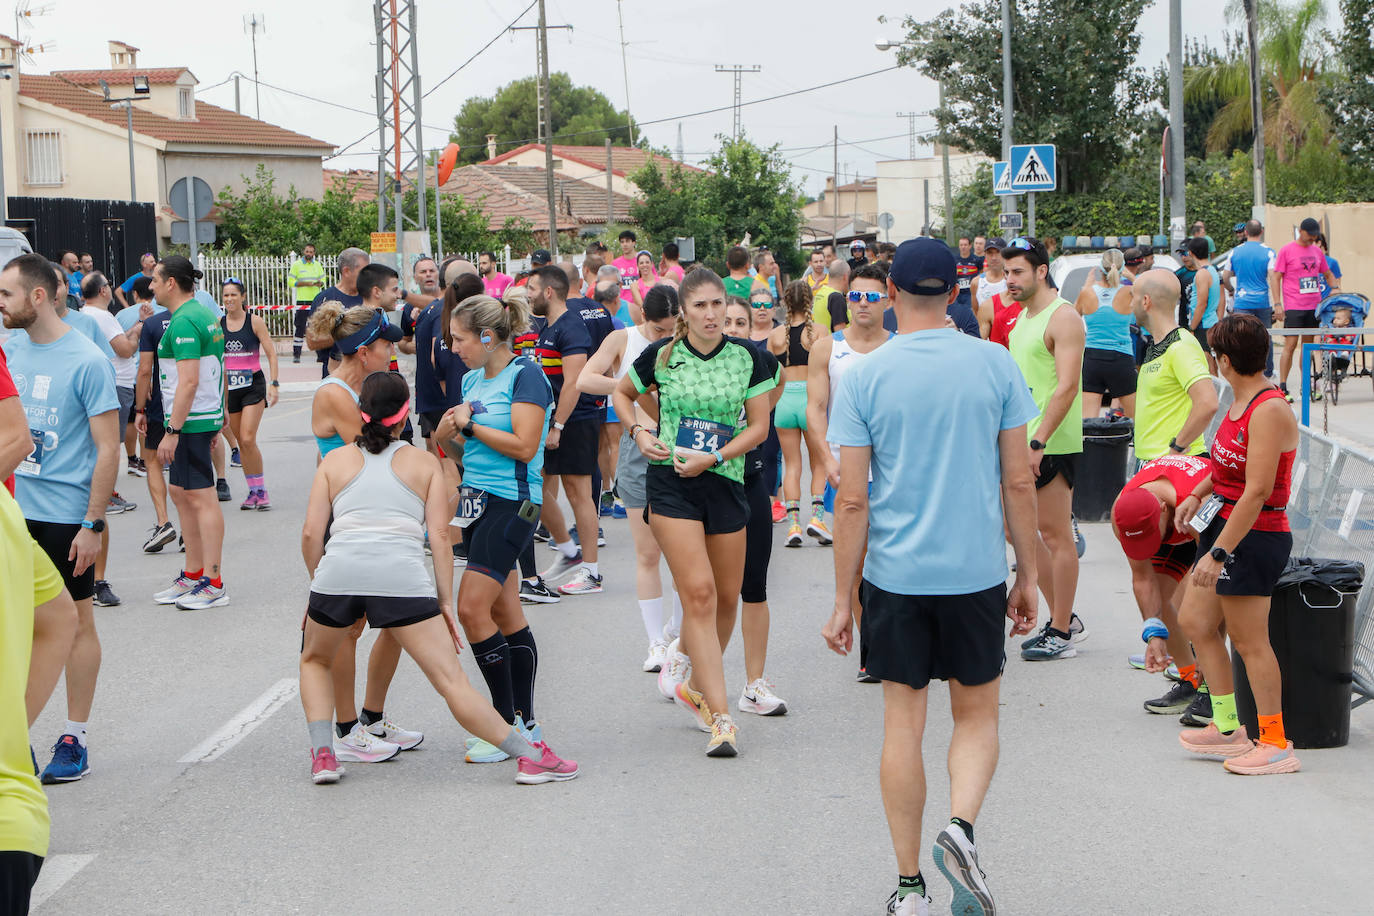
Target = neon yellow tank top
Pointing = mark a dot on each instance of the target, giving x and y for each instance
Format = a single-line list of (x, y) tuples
[(1027, 344)]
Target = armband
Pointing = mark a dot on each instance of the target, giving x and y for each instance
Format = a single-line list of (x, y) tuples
[(1152, 628)]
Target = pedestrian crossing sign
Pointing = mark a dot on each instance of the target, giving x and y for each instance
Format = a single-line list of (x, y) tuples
[(1032, 168), (1001, 179)]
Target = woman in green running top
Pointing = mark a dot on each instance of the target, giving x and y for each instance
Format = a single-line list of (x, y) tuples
[(712, 408)]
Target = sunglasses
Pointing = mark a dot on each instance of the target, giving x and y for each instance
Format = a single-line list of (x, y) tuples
[(1022, 244), (234, 280), (869, 297), (761, 303)]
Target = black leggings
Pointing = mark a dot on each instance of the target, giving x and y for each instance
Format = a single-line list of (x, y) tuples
[(18, 872), (758, 537)]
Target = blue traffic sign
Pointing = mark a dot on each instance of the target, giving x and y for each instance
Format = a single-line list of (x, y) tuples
[(1001, 180), (1033, 168)]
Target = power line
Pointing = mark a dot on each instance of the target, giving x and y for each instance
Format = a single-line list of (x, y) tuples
[(479, 51)]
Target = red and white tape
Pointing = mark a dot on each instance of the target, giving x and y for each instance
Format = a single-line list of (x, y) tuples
[(279, 308)]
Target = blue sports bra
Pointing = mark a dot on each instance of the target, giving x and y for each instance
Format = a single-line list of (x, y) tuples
[(327, 444)]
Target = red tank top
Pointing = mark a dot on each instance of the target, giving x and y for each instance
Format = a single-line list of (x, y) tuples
[(1003, 320), (1183, 471), (1229, 450)]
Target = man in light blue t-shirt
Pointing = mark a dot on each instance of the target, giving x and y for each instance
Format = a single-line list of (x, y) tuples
[(1252, 268), (934, 595)]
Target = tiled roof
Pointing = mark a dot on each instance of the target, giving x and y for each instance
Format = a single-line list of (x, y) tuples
[(625, 160), (157, 76), (212, 124), (583, 200)]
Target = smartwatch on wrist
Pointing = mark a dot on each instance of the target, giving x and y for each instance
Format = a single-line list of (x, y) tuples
[(1037, 446), (1220, 555), (276, 384), (467, 429), (97, 526), (173, 430), (720, 459), (1175, 447)]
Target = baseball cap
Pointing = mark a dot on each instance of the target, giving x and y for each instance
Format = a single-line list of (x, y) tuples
[(923, 267), (540, 257), (1136, 514), (1134, 255), (858, 243), (996, 243), (377, 327), (1310, 226)]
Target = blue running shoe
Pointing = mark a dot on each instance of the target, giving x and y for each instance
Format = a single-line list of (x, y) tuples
[(618, 510), (69, 762)]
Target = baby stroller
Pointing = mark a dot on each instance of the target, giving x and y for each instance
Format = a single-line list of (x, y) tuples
[(1338, 365)]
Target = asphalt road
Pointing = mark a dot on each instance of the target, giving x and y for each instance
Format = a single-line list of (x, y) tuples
[(200, 800)]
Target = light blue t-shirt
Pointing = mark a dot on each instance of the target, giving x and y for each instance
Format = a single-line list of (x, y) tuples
[(1108, 329), (128, 317), (84, 325), (1335, 272), (623, 315), (1251, 262), (209, 302), (523, 382), (61, 385), (935, 515), (1209, 313)]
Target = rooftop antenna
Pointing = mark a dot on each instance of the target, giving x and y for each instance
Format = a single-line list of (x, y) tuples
[(252, 23), (24, 14)]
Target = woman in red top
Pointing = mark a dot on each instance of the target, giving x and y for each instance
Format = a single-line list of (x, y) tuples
[(1242, 550)]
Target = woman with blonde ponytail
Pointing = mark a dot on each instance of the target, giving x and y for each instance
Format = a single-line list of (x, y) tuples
[(1109, 358), (791, 343)]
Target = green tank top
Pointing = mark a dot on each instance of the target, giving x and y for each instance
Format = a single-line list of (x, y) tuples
[(1027, 344)]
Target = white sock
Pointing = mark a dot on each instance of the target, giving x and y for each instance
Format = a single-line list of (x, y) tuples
[(592, 568), (78, 729), (568, 550), (651, 609)]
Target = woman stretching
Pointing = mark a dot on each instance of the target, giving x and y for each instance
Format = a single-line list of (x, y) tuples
[(246, 338), (791, 344), (363, 339), (1242, 552), (609, 364), (503, 419), (377, 496), (694, 485)]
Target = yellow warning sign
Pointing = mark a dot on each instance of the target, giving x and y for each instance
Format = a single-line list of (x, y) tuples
[(383, 243)]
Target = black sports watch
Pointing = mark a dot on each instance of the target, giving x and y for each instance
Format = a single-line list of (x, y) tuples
[(173, 430), (97, 526), (1220, 555), (1037, 446), (1175, 447), (467, 429)]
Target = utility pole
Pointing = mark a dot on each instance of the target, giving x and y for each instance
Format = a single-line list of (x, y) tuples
[(237, 108), (541, 90), (911, 117), (835, 204), (253, 22), (1008, 203), (680, 153), (739, 72), (1256, 109), (1177, 203), (545, 117), (625, 68), (399, 132), (944, 156), (610, 193)]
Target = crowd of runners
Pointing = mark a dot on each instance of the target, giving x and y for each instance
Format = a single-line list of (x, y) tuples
[(936, 396)]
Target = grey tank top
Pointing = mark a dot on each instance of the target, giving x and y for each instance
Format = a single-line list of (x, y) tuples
[(377, 537)]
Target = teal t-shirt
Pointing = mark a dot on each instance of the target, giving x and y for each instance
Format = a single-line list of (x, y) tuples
[(491, 399)]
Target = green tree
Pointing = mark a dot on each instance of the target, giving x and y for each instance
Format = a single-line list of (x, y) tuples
[(1075, 84), (580, 115), (1293, 72), (1350, 100), (1198, 113)]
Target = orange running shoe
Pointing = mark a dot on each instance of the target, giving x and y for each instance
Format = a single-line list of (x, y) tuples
[(1264, 760), (1210, 742)]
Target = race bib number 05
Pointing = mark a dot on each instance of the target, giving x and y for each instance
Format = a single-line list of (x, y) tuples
[(703, 435), (472, 502)]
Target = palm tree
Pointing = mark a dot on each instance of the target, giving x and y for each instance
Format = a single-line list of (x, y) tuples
[(1293, 69)]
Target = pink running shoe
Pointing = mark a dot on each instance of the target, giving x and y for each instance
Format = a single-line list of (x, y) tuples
[(251, 502), (1264, 760), (324, 767), (263, 502), (1210, 742), (548, 768), (693, 702)]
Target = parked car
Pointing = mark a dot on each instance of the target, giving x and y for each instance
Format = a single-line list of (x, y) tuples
[(13, 243), (1071, 271)]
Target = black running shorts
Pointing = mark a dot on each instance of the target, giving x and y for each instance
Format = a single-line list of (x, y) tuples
[(1108, 373), (1174, 560), (1052, 466), (429, 421), (579, 446), (1301, 318), (339, 611), (56, 541), (18, 873), (911, 639), (715, 501), (153, 438), (255, 393), (191, 467), (1255, 565), (497, 537)]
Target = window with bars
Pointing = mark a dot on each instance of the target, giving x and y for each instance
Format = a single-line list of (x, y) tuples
[(43, 157), (186, 104)]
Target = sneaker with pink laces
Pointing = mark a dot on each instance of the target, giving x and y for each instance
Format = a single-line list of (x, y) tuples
[(324, 767), (1264, 760), (252, 502), (1210, 742), (548, 768)]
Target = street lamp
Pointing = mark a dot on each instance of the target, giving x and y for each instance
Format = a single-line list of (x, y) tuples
[(142, 92), (887, 44)]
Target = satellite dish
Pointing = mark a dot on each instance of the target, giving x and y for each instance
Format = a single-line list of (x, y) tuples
[(447, 160)]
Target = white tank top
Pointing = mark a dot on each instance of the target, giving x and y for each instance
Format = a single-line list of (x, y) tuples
[(635, 342), (843, 357), (989, 288)]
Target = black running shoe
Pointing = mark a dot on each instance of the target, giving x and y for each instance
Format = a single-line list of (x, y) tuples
[(222, 490), (541, 534), (1199, 714), (1076, 630), (1177, 700), (104, 595)]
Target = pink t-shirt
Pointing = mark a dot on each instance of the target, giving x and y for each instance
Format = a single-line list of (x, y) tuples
[(629, 272), (675, 271), (1302, 267), (497, 284)]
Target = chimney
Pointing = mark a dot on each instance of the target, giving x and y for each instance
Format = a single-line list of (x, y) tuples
[(122, 56), (491, 146)]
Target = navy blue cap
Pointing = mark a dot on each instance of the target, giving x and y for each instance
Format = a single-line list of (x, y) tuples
[(540, 257), (923, 267), (377, 327), (996, 242)]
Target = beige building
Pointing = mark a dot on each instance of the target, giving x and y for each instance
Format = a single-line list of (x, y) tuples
[(585, 163), (855, 200), (60, 138), (905, 187)]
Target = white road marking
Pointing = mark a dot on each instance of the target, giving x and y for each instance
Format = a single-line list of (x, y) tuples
[(57, 871), (242, 725)]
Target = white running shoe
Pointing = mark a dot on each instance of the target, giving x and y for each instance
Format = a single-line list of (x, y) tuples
[(361, 746), (203, 597), (677, 670), (179, 588), (392, 733), (583, 582), (911, 905), (760, 699), (658, 655), (562, 566)]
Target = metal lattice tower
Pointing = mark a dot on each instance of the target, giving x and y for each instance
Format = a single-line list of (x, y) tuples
[(739, 72), (911, 117), (400, 144)]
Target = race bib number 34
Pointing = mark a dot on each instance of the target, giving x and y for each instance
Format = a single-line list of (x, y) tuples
[(703, 435)]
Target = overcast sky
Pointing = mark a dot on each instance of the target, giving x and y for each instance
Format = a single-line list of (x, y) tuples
[(672, 51)]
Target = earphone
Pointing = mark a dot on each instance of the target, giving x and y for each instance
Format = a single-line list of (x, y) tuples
[(485, 338)]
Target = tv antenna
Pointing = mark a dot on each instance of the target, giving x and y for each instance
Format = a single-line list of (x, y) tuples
[(252, 24), (24, 14)]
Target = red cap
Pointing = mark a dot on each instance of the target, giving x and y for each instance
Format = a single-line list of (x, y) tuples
[(1136, 514)]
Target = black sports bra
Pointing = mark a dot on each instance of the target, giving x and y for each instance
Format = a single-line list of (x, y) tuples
[(796, 354)]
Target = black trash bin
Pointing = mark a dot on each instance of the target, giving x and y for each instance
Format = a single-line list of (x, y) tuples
[(1101, 471), (1312, 631)]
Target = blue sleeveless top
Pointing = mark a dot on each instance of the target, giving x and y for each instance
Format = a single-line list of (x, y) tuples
[(1108, 329), (327, 444)]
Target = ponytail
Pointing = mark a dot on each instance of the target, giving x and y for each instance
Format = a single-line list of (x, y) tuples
[(1112, 261), (382, 404)]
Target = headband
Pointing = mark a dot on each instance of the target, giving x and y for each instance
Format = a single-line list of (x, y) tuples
[(392, 420)]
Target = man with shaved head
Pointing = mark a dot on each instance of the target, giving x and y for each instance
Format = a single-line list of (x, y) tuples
[(1175, 398)]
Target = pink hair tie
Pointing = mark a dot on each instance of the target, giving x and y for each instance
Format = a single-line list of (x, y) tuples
[(392, 420)]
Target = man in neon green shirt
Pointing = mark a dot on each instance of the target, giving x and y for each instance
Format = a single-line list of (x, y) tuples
[(306, 279), (1175, 398)]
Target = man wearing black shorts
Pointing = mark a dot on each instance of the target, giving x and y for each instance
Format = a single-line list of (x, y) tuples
[(67, 387), (573, 444), (933, 591), (148, 410)]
